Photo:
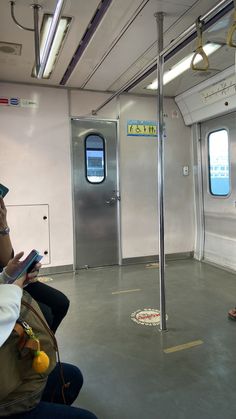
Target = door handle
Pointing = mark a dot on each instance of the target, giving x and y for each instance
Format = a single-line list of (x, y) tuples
[(113, 200)]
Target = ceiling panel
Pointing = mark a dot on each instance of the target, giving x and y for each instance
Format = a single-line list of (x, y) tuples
[(171, 32), (132, 53), (14, 68), (219, 61), (118, 14), (139, 37)]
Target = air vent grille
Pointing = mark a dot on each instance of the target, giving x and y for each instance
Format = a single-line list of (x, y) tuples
[(10, 48)]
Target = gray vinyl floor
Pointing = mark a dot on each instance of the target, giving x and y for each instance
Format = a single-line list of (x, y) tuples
[(127, 373)]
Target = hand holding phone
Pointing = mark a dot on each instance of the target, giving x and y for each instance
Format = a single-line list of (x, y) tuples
[(3, 190), (17, 268)]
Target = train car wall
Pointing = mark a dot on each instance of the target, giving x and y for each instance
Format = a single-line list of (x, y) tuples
[(35, 139), (138, 174), (139, 182), (35, 165)]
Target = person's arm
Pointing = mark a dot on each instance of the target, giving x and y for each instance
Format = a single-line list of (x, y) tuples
[(10, 296), (13, 267), (6, 251), (10, 300)]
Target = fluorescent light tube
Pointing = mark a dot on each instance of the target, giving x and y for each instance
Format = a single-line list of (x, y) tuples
[(59, 36), (61, 32), (184, 65)]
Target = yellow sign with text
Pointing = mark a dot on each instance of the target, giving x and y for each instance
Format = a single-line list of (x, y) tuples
[(142, 128)]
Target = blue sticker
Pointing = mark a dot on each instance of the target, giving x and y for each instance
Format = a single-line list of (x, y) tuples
[(14, 101)]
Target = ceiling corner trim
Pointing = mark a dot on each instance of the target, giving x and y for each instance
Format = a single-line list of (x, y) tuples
[(90, 30)]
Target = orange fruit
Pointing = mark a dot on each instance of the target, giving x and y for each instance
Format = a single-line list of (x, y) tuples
[(40, 362)]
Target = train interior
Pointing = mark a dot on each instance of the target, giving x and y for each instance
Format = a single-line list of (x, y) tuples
[(80, 123)]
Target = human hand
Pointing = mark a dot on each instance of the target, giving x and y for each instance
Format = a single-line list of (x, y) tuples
[(33, 275), (15, 264), (3, 214), (28, 278)]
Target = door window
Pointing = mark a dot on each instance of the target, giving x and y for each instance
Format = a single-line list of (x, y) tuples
[(94, 158), (218, 152)]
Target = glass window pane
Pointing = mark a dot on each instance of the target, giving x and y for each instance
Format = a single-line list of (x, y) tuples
[(218, 146), (95, 158)]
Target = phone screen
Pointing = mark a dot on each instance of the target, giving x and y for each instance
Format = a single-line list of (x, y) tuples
[(3, 190), (27, 264)]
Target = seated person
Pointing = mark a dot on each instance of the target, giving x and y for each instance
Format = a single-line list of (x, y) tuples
[(33, 385), (53, 303)]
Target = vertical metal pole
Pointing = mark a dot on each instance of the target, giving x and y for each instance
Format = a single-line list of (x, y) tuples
[(160, 64), (36, 8)]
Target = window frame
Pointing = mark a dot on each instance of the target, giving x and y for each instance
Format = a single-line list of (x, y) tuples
[(93, 149), (208, 164)]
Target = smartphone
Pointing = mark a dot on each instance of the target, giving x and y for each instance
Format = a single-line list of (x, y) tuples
[(3, 190), (27, 265)]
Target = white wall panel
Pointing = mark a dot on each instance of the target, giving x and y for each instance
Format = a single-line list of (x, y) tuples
[(220, 250), (83, 103), (138, 162), (36, 166), (35, 163), (36, 235)]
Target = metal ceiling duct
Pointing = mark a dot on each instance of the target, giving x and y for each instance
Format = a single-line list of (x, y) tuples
[(91, 28)]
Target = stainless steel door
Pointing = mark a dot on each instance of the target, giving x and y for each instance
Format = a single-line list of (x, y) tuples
[(220, 211), (96, 195)]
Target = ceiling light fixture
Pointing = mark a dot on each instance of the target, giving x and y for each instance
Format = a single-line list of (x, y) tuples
[(53, 31), (45, 52), (56, 46), (184, 65)]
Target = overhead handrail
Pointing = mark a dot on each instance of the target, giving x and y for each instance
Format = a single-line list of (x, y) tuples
[(35, 29), (40, 63), (199, 50), (231, 32), (12, 3)]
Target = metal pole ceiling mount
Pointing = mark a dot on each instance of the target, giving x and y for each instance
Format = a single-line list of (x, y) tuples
[(35, 29), (41, 64)]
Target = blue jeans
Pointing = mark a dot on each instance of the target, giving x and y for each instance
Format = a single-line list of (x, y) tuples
[(56, 409)]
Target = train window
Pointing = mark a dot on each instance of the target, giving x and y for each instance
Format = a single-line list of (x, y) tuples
[(218, 149), (94, 158)]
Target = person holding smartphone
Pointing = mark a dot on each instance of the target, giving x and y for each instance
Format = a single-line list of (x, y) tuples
[(10, 297), (24, 391), (53, 303)]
